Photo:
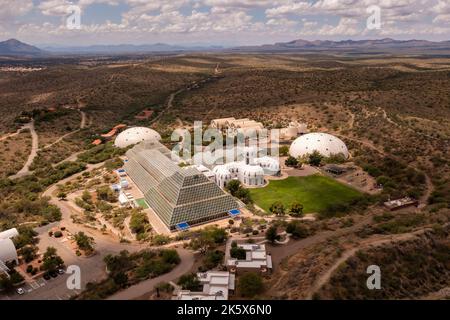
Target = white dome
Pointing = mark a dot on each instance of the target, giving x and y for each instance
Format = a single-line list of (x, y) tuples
[(7, 250), (252, 171), (324, 143), (135, 135)]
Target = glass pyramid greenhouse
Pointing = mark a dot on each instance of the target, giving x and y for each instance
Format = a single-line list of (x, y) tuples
[(177, 195)]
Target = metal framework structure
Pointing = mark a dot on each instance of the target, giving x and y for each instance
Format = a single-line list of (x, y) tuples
[(176, 194)]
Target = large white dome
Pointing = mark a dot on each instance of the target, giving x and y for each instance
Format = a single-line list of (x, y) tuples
[(324, 143), (135, 135)]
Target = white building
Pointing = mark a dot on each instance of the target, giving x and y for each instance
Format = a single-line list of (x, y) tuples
[(8, 252), (217, 285), (8, 234), (326, 144), (135, 135), (293, 130), (250, 171), (256, 259), (233, 126)]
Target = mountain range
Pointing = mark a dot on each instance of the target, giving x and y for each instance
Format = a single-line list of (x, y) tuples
[(383, 45), (13, 47)]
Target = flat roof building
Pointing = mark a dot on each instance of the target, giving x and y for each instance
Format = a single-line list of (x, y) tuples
[(217, 285), (256, 259)]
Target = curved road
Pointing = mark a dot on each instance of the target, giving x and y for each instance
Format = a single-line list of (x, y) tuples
[(33, 153), (93, 268)]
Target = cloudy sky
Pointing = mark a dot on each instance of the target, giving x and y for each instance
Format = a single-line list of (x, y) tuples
[(219, 22)]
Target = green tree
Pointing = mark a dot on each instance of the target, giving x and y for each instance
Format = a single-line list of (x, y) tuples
[(238, 253), (213, 258), (121, 279), (250, 284), (105, 193), (244, 195), (62, 195), (297, 230), (139, 222), (189, 282), (272, 234), (315, 158), (233, 186), (86, 196), (28, 253), (84, 242), (296, 209), (170, 256), (291, 162), (277, 208), (51, 260), (284, 151)]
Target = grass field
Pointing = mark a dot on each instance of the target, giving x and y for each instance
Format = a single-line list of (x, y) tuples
[(315, 193), (142, 203)]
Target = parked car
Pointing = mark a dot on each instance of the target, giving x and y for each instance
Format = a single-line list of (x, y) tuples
[(61, 271), (53, 274), (20, 291), (47, 276)]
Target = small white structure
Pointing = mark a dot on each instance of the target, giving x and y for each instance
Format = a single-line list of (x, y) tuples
[(233, 126), (135, 135), (256, 258), (8, 234), (123, 200), (326, 144), (216, 286), (8, 252), (293, 130)]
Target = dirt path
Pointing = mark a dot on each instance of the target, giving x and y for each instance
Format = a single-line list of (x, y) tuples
[(429, 187), (374, 242), (33, 153), (281, 252), (169, 105), (82, 126)]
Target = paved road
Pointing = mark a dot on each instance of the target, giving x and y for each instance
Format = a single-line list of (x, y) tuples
[(92, 268), (144, 287)]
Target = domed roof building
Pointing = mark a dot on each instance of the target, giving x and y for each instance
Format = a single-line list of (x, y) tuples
[(136, 135), (326, 144), (252, 175), (8, 251)]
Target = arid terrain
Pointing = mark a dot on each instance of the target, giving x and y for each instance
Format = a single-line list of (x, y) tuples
[(393, 112)]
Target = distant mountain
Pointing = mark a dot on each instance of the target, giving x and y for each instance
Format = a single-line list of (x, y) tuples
[(386, 44), (13, 47), (127, 48)]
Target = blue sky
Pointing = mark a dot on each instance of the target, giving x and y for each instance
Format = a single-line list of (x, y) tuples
[(220, 22)]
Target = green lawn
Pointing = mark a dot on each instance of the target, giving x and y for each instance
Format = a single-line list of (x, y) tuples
[(313, 192), (142, 203)]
